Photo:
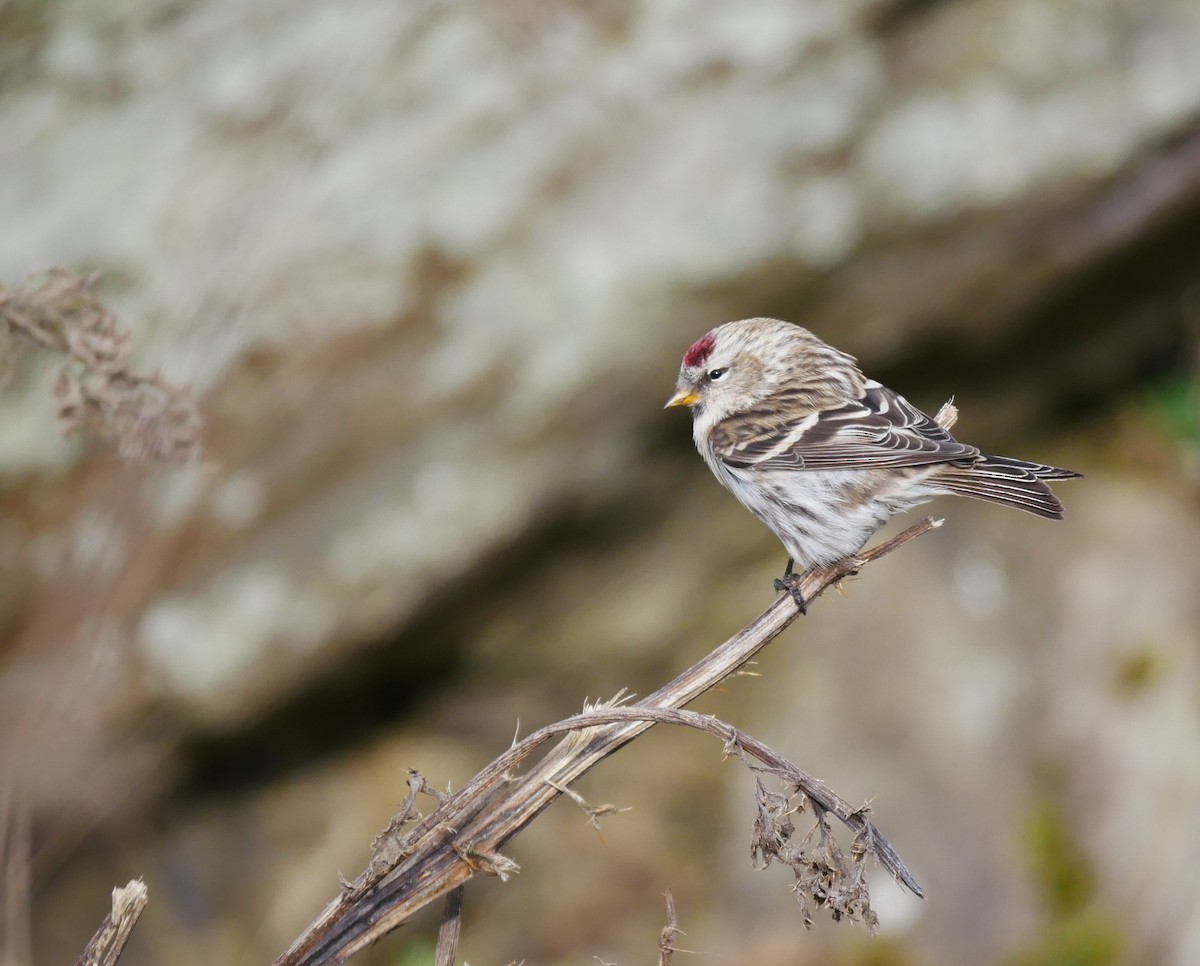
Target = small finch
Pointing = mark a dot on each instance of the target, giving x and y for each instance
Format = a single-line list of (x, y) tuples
[(823, 455)]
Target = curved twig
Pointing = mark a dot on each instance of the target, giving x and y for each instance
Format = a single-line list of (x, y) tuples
[(462, 837)]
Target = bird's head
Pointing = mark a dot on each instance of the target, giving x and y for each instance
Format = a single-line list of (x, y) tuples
[(737, 365)]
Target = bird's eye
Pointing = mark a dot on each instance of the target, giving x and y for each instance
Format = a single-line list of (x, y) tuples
[(715, 374)]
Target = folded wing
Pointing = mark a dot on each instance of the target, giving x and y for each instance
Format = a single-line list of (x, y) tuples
[(880, 429)]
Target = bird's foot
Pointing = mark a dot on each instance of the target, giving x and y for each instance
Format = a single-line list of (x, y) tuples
[(790, 583)]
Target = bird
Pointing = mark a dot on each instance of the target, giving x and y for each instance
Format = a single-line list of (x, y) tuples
[(823, 455)]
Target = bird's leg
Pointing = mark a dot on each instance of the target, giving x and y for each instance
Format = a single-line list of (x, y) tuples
[(791, 583)]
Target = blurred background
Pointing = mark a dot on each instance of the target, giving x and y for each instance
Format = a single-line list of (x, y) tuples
[(430, 267)]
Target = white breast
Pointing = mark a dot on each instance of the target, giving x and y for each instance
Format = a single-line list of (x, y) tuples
[(820, 516)]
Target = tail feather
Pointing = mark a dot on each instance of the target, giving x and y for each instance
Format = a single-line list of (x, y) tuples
[(1010, 482), (1040, 470)]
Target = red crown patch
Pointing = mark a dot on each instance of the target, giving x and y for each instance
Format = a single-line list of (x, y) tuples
[(699, 352)]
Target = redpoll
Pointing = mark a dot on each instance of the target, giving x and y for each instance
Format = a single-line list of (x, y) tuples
[(821, 454)]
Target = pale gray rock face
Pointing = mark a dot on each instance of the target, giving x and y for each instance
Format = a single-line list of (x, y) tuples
[(430, 267)]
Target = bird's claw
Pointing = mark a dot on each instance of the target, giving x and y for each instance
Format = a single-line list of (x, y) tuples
[(790, 583)]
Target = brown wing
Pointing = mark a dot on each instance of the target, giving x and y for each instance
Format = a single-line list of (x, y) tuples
[(878, 430)]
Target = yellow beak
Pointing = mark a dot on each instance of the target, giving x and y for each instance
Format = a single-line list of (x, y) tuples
[(682, 398)]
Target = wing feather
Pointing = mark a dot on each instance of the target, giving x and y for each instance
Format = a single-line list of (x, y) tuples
[(879, 429)]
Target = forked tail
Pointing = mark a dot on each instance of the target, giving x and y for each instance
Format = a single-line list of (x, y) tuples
[(1014, 483)]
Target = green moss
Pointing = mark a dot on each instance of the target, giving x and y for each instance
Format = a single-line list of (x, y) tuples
[(1136, 670), (1076, 932), (1175, 405), (1088, 939), (1060, 869)]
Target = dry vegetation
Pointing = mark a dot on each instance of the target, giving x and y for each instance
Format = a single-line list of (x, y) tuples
[(57, 311)]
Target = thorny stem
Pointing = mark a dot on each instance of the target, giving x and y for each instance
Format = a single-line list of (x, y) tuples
[(461, 838), (666, 941)]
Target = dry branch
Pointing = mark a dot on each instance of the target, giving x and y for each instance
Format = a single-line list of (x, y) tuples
[(462, 837), (109, 942), (666, 941)]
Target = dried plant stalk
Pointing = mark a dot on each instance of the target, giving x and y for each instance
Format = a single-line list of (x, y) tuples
[(144, 416), (109, 941), (462, 837), (670, 932), (451, 928)]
